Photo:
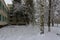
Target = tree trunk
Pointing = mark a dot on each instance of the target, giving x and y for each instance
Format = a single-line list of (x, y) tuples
[(49, 21), (42, 24), (49, 15), (42, 16)]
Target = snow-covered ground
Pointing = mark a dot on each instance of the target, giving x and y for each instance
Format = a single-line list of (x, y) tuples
[(28, 33)]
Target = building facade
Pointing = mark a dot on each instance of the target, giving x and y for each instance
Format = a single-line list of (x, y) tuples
[(3, 13)]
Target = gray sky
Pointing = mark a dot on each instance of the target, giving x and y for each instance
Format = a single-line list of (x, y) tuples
[(8, 1)]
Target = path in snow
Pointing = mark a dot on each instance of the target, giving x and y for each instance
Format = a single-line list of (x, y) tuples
[(27, 33)]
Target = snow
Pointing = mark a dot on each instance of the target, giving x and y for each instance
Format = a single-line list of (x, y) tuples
[(28, 32)]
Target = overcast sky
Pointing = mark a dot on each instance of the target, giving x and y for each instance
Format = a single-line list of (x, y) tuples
[(8, 1)]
